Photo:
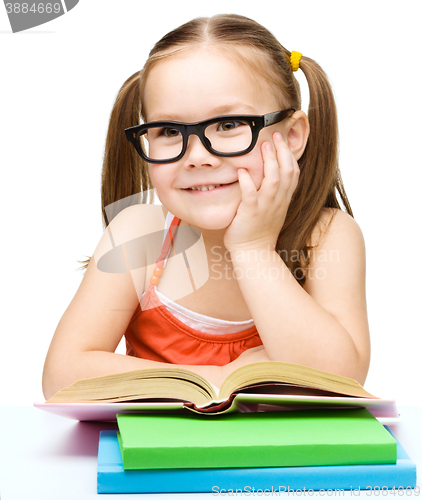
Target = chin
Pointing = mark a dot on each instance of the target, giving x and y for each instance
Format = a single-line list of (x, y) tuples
[(211, 219), (212, 225)]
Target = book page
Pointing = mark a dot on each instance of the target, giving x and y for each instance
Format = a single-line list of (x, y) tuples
[(292, 374)]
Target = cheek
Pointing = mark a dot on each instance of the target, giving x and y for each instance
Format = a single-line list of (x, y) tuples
[(160, 178), (254, 163)]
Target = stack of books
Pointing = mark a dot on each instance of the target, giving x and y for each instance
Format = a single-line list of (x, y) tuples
[(319, 449), (179, 433)]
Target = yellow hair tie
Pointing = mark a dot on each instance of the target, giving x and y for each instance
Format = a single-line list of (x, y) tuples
[(295, 60)]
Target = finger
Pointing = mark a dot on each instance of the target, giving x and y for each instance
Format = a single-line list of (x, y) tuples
[(247, 186), (289, 169), (271, 182)]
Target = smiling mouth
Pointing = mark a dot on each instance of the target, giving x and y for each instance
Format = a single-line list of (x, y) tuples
[(209, 187)]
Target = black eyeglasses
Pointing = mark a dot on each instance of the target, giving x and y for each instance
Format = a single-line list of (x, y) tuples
[(227, 136)]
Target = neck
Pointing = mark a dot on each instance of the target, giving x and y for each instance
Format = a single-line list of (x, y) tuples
[(213, 242)]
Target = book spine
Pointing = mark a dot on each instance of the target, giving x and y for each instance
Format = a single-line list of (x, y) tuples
[(374, 478), (257, 456)]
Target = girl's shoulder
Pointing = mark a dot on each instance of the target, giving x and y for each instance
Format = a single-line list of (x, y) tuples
[(334, 226), (125, 241), (137, 220), (336, 255)]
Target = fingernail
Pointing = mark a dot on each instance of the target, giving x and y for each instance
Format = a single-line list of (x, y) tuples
[(278, 136), (268, 147)]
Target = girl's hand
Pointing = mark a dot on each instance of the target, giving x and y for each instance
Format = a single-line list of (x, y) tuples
[(261, 213)]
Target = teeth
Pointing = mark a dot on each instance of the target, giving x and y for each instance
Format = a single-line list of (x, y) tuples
[(205, 188)]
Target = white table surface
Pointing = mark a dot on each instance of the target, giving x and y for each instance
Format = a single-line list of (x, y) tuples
[(44, 456)]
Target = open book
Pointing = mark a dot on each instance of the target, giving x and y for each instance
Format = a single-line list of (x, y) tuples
[(254, 387)]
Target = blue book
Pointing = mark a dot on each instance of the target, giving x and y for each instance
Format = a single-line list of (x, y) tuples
[(112, 478)]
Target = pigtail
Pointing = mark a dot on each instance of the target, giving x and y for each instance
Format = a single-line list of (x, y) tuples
[(125, 178), (124, 172), (322, 150), (319, 172)]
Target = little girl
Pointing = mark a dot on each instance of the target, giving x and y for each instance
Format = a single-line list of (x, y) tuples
[(241, 169)]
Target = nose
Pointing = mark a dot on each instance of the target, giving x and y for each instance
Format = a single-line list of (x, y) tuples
[(197, 154)]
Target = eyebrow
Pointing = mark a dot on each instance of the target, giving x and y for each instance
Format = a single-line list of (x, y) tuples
[(237, 108)]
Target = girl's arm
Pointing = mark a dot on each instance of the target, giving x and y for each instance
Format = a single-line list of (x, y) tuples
[(94, 323), (324, 324)]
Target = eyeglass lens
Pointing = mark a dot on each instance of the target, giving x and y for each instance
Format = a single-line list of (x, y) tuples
[(229, 136)]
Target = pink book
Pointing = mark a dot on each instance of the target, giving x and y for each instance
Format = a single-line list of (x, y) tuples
[(380, 408)]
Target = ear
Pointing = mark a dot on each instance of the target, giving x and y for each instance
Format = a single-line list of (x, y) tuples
[(297, 133)]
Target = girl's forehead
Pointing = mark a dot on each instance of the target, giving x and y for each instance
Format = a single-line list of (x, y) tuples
[(198, 84)]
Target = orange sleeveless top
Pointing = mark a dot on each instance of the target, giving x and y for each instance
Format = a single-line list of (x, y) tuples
[(155, 334)]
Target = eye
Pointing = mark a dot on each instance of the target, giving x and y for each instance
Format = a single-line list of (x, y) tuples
[(228, 125), (170, 132)]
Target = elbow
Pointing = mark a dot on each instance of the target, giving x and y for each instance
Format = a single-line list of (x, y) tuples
[(361, 365), (362, 371), (354, 368), (57, 374), (49, 383), (47, 387)]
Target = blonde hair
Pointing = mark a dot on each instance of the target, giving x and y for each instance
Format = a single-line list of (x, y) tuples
[(125, 173)]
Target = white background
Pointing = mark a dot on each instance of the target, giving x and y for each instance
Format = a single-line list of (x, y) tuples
[(58, 82)]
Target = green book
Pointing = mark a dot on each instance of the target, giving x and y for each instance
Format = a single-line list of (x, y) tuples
[(267, 439)]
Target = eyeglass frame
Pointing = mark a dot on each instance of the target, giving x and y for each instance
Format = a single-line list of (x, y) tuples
[(256, 123)]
